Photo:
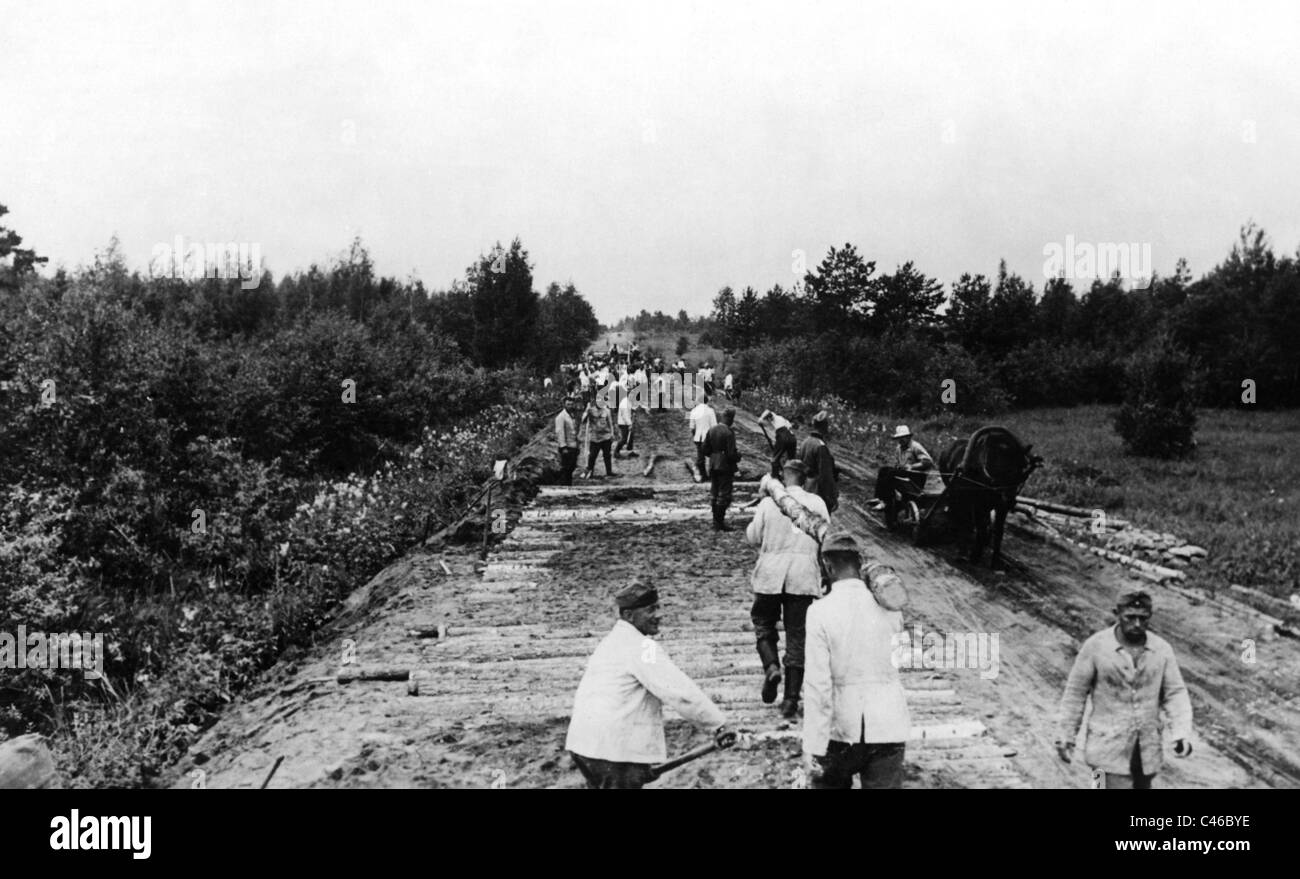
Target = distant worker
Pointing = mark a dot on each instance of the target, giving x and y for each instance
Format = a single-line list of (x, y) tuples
[(729, 385), (626, 427), (720, 447), (913, 464), (705, 376), (816, 456), (1131, 677), (702, 418), (616, 733), (566, 440), (599, 427), (786, 580), (784, 447)]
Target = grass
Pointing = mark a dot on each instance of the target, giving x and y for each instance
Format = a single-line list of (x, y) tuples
[(1238, 496)]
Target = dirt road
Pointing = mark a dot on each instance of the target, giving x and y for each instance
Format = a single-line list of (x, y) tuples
[(495, 690)]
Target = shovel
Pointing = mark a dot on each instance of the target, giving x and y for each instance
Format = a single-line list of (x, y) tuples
[(659, 769)]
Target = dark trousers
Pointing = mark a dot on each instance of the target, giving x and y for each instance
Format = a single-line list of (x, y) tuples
[(599, 447), (1136, 779), (607, 775), (699, 459), (887, 483), (879, 765), (720, 490), (568, 463), (765, 613), (624, 439)]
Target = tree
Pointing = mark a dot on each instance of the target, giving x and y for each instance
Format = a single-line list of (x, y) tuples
[(841, 291), (906, 299), (724, 318), (15, 262), (1158, 418), (504, 305), (969, 312), (683, 345), (1057, 311), (566, 325)]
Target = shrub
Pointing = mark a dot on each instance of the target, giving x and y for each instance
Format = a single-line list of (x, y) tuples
[(1158, 418)]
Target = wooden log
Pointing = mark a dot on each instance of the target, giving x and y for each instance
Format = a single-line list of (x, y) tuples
[(694, 471), (654, 459), (1066, 510), (1157, 573), (350, 673), (438, 631)]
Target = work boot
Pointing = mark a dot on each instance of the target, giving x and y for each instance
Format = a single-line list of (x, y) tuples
[(793, 684), (771, 671)]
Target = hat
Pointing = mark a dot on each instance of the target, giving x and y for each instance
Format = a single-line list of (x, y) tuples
[(901, 431), (728, 414), (841, 541), (636, 594), (1133, 596), (797, 466), (821, 417)]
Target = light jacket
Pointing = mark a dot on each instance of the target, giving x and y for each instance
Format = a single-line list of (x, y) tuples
[(618, 709), (787, 560), (852, 692), (1127, 699), (597, 423), (702, 418), (566, 432)]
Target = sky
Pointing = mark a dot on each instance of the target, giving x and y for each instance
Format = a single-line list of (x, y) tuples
[(651, 152)]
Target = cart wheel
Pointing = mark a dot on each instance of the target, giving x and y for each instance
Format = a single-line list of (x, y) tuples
[(912, 522)]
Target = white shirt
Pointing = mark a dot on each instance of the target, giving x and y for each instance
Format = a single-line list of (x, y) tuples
[(706, 374), (702, 418), (618, 710), (625, 409), (787, 561), (851, 687), (727, 382)]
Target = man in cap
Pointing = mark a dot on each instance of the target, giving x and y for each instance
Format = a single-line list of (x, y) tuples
[(786, 581), (617, 729), (566, 440), (816, 456), (912, 463), (1131, 675), (720, 446), (855, 713)]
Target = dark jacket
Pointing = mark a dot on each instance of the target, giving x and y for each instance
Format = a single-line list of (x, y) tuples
[(720, 446), (816, 456)]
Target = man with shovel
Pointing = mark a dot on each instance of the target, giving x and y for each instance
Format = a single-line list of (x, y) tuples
[(616, 735)]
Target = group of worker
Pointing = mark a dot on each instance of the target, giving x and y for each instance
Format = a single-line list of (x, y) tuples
[(840, 637)]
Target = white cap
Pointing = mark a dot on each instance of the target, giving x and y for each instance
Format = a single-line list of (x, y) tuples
[(901, 431)]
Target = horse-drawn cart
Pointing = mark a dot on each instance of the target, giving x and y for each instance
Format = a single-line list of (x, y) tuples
[(914, 507)]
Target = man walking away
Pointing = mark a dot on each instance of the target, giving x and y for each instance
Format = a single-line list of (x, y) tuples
[(600, 434), (855, 713), (816, 456), (617, 730), (702, 419), (566, 440), (786, 581), (626, 427), (1132, 676), (720, 445)]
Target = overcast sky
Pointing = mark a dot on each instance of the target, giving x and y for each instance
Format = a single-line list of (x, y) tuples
[(651, 152)]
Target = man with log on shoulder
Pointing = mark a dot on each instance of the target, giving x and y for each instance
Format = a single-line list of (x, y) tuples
[(720, 447), (1131, 676), (816, 456), (855, 712), (616, 733), (786, 581)]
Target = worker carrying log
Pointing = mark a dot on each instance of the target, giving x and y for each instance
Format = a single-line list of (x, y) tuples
[(855, 712), (1131, 676), (786, 581), (616, 734)]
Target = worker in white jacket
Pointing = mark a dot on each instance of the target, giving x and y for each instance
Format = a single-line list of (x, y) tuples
[(855, 713), (703, 419), (617, 730), (786, 581)]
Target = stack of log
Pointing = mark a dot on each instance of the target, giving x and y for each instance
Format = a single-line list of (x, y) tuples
[(1156, 555)]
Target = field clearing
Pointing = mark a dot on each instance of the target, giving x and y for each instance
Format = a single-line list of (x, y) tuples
[(666, 343), (1238, 496)]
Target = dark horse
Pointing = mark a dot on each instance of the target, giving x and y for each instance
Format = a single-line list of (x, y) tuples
[(984, 474)]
